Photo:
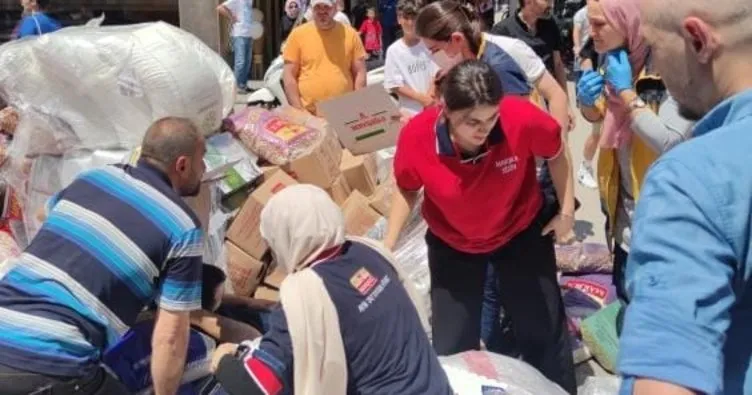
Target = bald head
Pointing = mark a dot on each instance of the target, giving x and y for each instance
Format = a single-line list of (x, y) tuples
[(732, 18), (177, 147), (170, 138)]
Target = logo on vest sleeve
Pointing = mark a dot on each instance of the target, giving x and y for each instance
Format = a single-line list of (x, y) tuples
[(363, 281)]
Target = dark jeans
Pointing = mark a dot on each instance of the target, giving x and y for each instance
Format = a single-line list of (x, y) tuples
[(19, 382), (528, 292), (243, 53)]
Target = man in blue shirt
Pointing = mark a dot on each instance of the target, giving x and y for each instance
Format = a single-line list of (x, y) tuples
[(37, 21), (116, 239), (687, 329)]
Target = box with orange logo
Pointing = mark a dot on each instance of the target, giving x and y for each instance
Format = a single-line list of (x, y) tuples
[(244, 231)]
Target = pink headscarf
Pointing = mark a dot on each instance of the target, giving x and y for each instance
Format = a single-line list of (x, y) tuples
[(624, 15)]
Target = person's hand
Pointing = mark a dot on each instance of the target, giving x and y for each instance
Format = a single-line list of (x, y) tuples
[(618, 70), (427, 100), (221, 351), (590, 88), (561, 225), (572, 120)]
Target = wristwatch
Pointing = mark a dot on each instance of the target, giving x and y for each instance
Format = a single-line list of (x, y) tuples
[(637, 103)]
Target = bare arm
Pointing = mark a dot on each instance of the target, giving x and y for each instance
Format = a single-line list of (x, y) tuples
[(560, 71), (558, 102), (402, 204), (410, 93), (169, 349), (225, 12), (653, 387), (562, 177), (290, 78), (224, 329), (359, 73)]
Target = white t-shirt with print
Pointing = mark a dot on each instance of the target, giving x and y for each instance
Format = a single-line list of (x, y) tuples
[(243, 12), (412, 67), (530, 63)]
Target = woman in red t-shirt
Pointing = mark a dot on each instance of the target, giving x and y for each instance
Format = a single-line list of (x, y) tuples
[(371, 32), (474, 158)]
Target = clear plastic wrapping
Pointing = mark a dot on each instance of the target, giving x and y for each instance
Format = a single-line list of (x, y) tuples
[(602, 385), (584, 258), (276, 137), (411, 253), (514, 376)]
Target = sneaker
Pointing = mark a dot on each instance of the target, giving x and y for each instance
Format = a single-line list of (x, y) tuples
[(585, 176)]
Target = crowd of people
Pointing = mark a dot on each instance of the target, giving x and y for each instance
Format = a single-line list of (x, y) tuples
[(484, 144)]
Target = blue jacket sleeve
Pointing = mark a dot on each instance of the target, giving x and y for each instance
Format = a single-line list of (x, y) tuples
[(27, 28), (679, 276)]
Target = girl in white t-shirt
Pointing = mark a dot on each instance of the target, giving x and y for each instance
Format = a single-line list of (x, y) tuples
[(409, 70)]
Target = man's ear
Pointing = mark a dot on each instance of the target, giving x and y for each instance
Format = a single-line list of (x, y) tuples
[(181, 164), (701, 37)]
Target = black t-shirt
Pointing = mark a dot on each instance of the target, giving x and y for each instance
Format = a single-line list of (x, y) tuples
[(544, 43)]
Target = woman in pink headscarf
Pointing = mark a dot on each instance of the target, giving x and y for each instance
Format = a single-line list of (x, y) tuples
[(626, 95)]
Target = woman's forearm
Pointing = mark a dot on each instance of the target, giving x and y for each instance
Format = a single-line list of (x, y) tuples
[(654, 130), (402, 204), (563, 179), (591, 113)]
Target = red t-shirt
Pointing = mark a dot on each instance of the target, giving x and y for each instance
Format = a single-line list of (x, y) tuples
[(476, 206)]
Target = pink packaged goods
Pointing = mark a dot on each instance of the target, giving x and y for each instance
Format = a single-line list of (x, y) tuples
[(585, 295), (274, 137)]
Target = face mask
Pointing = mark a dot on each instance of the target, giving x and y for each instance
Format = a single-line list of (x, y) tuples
[(446, 61)]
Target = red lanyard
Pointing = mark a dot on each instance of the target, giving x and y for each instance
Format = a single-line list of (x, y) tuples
[(327, 254)]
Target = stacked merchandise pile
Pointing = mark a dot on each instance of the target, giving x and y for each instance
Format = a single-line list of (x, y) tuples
[(86, 95)]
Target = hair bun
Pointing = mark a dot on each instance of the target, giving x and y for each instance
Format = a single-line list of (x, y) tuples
[(469, 10)]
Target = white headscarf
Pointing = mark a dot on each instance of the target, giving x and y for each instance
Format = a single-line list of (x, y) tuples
[(299, 223)]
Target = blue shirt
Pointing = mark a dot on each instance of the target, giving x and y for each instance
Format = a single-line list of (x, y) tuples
[(386, 349), (37, 24), (690, 266), (116, 239)]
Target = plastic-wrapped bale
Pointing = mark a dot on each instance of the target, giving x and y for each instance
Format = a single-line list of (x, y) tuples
[(584, 258), (411, 252), (516, 377), (600, 337), (587, 294), (102, 87), (603, 385), (275, 137)]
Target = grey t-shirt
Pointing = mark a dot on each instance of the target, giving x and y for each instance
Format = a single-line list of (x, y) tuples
[(580, 19)]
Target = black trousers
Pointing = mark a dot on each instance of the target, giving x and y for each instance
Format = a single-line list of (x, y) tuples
[(98, 382), (526, 267)]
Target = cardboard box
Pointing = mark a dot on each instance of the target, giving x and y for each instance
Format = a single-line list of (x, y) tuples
[(381, 200), (340, 190), (202, 204), (274, 278), (266, 293), (360, 171), (243, 270), (319, 167), (365, 120), (244, 231), (359, 216)]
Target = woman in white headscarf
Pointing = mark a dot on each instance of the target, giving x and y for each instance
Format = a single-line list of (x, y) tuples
[(347, 322), (289, 18)]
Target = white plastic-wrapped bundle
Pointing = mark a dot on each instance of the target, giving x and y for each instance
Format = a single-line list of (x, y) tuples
[(411, 253), (603, 385), (101, 87), (515, 377)]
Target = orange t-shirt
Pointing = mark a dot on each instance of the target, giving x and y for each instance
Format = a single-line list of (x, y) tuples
[(325, 58)]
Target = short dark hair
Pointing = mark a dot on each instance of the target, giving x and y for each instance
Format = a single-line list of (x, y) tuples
[(439, 20), (470, 84), (170, 138), (43, 3), (409, 8), (213, 277)]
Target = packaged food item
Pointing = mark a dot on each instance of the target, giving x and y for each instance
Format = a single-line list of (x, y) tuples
[(587, 294), (276, 139), (584, 258), (600, 337), (8, 120)]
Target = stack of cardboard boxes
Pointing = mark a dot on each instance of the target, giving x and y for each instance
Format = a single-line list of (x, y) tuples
[(351, 181)]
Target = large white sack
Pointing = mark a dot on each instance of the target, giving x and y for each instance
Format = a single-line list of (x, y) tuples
[(106, 85)]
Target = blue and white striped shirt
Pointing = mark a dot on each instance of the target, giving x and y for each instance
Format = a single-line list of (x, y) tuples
[(116, 239)]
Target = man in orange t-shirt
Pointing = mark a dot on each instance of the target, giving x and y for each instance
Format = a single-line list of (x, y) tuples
[(323, 59)]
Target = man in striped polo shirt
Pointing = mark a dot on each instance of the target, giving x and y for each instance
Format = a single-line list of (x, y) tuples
[(114, 240)]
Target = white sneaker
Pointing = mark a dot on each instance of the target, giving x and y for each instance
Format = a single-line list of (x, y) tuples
[(585, 176)]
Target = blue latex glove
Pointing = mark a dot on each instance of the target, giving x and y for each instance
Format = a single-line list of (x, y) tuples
[(618, 70), (590, 88)]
